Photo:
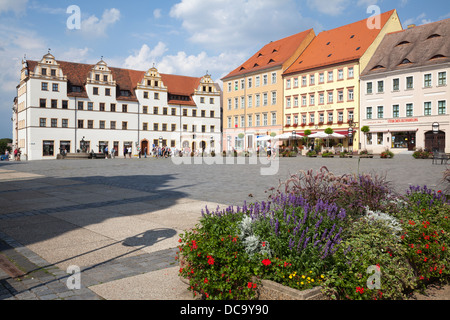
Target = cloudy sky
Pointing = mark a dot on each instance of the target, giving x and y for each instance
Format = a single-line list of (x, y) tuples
[(186, 37)]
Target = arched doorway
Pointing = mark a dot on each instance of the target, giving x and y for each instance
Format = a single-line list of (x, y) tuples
[(435, 142), (203, 145), (144, 147), (194, 146)]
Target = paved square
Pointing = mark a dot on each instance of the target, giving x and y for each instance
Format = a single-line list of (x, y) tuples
[(119, 220)]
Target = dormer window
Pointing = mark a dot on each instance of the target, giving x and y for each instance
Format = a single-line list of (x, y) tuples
[(76, 89), (97, 77), (44, 71), (378, 67), (403, 43), (271, 61), (405, 61), (53, 72), (125, 93), (435, 35), (438, 56)]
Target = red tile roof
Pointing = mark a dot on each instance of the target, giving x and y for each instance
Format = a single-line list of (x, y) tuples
[(273, 54), (126, 79), (343, 44)]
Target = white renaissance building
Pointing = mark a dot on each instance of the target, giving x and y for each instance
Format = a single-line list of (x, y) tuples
[(62, 105)]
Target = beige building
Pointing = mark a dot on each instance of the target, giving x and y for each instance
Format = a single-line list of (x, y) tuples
[(322, 87), (405, 91), (253, 93)]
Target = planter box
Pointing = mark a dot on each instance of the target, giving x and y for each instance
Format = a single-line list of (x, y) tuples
[(270, 290), (366, 155)]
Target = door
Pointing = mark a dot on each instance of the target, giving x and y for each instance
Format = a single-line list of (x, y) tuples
[(144, 144), (435, 142)]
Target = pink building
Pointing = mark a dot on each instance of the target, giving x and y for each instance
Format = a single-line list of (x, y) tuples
[(404, 91)]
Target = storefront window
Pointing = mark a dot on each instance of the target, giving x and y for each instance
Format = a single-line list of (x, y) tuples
[(48, 148), (402, 140)]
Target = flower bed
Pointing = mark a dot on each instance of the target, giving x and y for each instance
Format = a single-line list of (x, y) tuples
[(324, 231)]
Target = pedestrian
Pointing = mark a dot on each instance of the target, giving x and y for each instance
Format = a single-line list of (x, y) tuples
[(105, 151), (125, 151), (129, 151), (269, 150), (113, 153), (15, 154), (7, 155), (145, 152)]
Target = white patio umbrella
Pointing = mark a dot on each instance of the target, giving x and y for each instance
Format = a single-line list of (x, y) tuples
[(319, 135), (264, 138), (288, 136), (337, 136)]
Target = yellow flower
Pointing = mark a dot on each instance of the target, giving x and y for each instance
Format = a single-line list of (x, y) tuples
[(308, 278), (303, 277), (290, 276), (322, 276), (312, 280), (310, 272), (302, 283)]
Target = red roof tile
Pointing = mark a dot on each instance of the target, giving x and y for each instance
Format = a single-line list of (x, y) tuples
[(273, 54), (126, 79), (338, 45)]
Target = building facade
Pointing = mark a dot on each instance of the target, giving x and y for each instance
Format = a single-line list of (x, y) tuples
[(322, 86), (405, 91), (253, 93), (64, 105)]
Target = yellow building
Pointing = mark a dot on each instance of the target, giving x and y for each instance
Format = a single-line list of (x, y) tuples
[(253, 93), (322, 87)]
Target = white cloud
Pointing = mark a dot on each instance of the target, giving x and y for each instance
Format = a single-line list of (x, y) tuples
[(157, 13), (366, 3), (419, 20), (182, 63), (230, 24), (330, 7), (96, 27), (17, 6), (74, 55)]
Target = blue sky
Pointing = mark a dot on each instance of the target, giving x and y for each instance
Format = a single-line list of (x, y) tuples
[(186, 37)]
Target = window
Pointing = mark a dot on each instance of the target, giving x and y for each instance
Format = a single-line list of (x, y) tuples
[(330, 117), (155, 110), (124, 125), (95, 91), (65, 123), (303, 118), (442, 107), (174, 127), (369, 113), (107, 92), (112, 125), (312, 80), (369, 88), (288, 83), (124, 108), (174, 111), (296, 119), (185, 112), (427, 80), (341, 117), (236, 103), (288, 120), (44, 86), (156, 96), (145, 110), (288, 102), (44, 72), (380, 138), (257, 81), (97, 77), (330, 76), (265, 98), (369, 138), (304, 83), (202, 99), (295, 101), (80, 124), (102, 124), (242, 102), (229, 104), (330, 97), (164, 127), (90, 106), (249, 83), (351, 72), (351, 95), (350, 115), (105, 78), (185, 127), (427, 109), (409, 83), (409, 110), (265, 119), (274, 77), (194, 113), (249, 120), (312, 118), (55, 87), (442, 78), (229, 86), (53, 72), (65, 104), (321, 77), (395, 111), (295, 82), (90, 124), (380, 86), (211, 100), (42, 122), (312, 99), (113, 107), (321, 98), (258, 100), (54, 104), (258, 120), (380, 112), (265, 80), (250, 101), (236, 87), (48, 148), (229, 124), (80, 105), (340, 74), (274, 118), (396, 84), (236, 124), (340, 96), (321, 118), (203, 114)]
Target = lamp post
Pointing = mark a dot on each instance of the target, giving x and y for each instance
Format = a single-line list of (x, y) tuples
[(435, 127), (211, 144), (351, 129)]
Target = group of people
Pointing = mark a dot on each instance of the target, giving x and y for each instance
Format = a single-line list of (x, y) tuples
[(17, 154)]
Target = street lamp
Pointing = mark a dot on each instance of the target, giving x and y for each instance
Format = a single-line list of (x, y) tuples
[(351, 129), (293, 138), (210, 144), (435, 127)]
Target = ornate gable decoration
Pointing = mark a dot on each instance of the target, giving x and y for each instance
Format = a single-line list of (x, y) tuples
[(101, 74), (152, 80), (48, 68), (206, 85)]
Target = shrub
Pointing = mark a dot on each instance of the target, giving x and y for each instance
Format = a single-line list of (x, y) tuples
[(327, 154), (421, 154), (387, 154)]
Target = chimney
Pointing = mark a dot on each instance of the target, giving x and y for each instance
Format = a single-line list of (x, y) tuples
[(411, 26)]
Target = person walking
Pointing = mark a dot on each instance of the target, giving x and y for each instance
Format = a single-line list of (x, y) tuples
[(113, 153), (105, 151), (145, 152), (125, 152), (129, 151), (269, 150)]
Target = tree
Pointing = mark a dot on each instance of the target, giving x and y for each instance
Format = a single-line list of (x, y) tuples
[(365, 130), (4, 145), (328, 131)]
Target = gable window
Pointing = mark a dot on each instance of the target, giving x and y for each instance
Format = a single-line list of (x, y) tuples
[(44, 86), (107, 92), (55, 87)]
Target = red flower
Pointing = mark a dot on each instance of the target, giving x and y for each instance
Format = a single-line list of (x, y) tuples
[(360, 290), (254, 285), (266, 262), (249, 285), (179, 240), (425, 259), (206, 280)]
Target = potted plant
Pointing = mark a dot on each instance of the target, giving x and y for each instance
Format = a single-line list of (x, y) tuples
[(387, 154), (365, 154), (365, 130)]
